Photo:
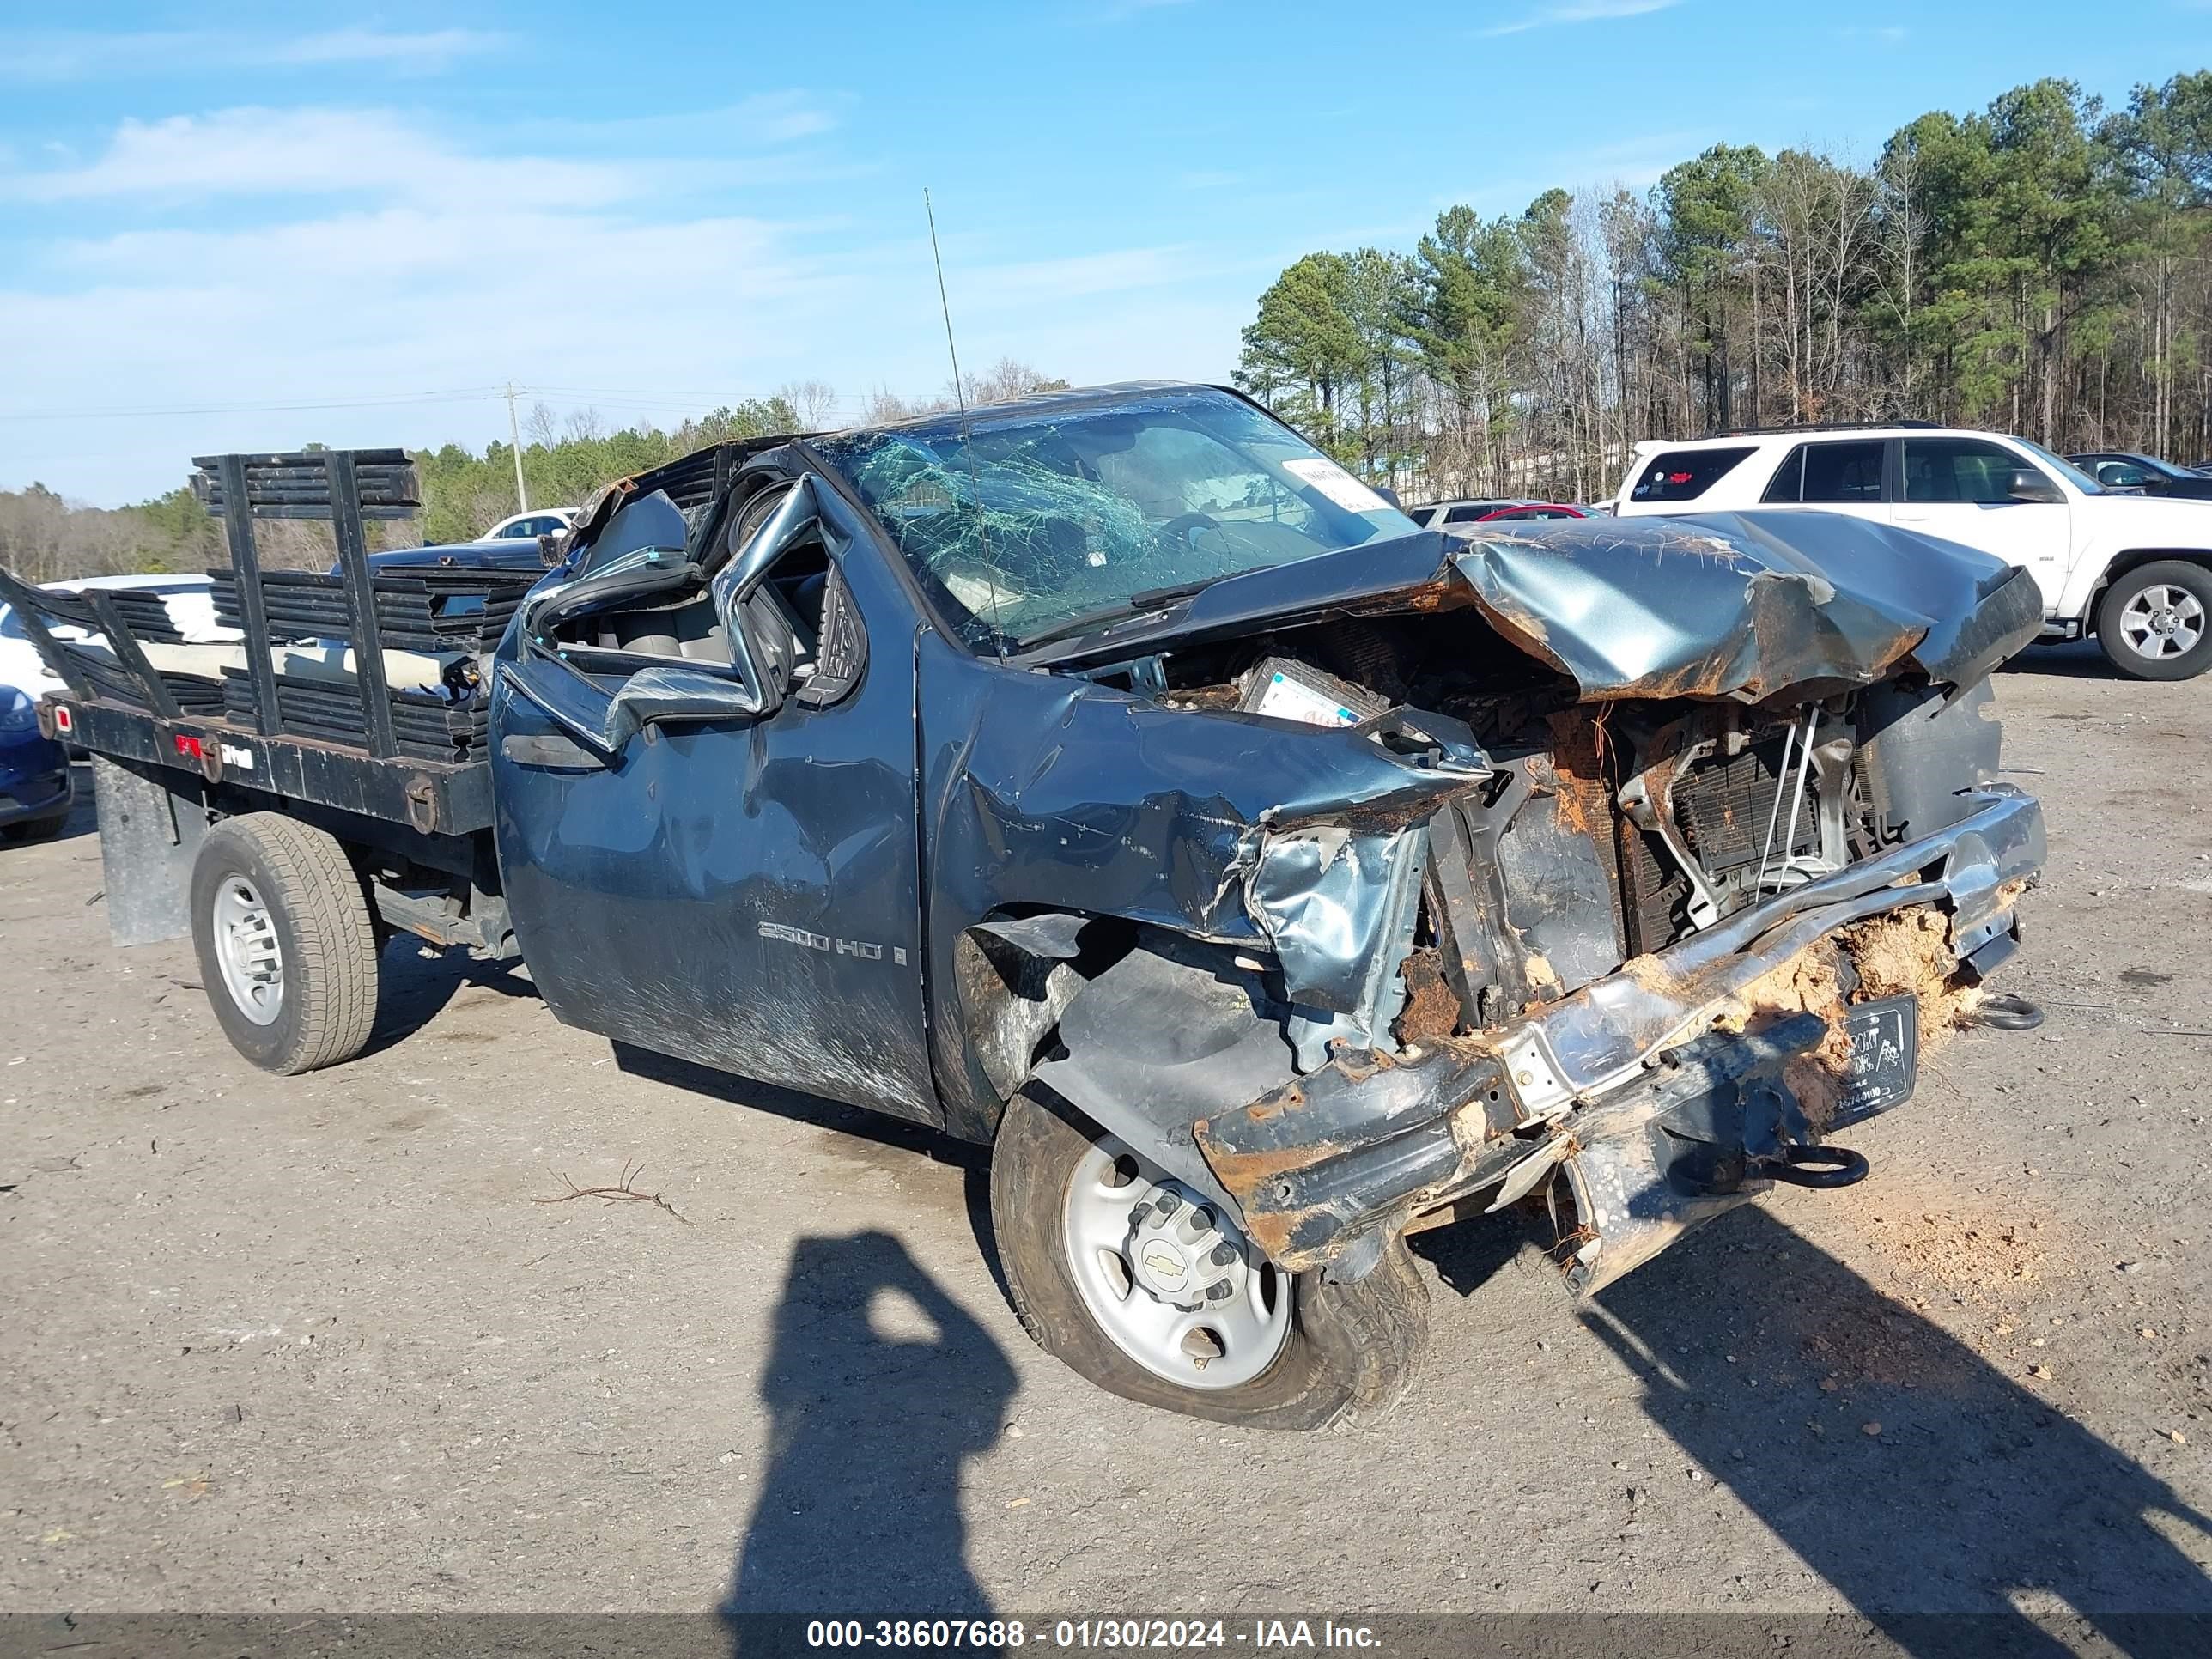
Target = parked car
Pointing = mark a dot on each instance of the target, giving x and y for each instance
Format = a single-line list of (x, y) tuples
[(1531, 511), (1435, 515), (530, 525), (524, 541), (21, 668), (35, 790), (508, 553), (2133, 570), (1112, 779), (2123, 472)]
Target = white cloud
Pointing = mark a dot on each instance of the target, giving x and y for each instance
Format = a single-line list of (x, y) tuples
[(780, 117), (1578, 11), (29, 56), (334, 152), (383, 259)]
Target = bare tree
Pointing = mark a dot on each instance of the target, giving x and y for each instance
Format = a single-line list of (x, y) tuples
[(812, 401), (1006, 381)]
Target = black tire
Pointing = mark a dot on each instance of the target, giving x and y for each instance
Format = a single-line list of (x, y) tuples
[(2192, 579), (35, 828), (1351, 1349), (319, 906)]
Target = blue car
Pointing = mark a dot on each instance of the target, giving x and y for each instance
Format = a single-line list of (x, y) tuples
[(35, 792)]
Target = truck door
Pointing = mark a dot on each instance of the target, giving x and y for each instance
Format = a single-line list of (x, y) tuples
[(1963, 490), (706, 804)]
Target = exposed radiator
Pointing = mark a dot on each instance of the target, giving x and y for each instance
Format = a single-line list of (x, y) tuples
[(1722, 808)]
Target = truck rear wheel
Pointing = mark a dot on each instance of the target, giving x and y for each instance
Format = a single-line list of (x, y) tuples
[(2156, 623), (287, 942), (1134, 1281)]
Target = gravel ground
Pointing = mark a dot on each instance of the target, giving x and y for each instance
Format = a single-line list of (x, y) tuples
[(317, 1344)]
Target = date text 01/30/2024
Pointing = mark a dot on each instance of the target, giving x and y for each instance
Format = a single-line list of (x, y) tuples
[(1260, 1635)]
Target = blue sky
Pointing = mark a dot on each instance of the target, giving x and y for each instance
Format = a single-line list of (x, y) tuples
[(217, 214)]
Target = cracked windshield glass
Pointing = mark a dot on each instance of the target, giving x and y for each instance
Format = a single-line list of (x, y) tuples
[(1044, 523)]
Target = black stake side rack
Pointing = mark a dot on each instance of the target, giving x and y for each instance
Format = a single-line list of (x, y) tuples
[(119, 704), (346, 487)]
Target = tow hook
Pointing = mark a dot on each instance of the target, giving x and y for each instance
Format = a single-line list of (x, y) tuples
[(1818, 1167), (2004, 1014)]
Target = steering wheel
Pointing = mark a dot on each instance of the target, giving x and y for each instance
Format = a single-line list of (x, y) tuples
[(1187, 522)]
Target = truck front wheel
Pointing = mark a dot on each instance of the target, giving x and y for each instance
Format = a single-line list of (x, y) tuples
[(1140, 1285), (287, 944), (2156, 623)]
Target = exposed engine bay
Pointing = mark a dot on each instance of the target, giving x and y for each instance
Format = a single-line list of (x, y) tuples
[(1599, 832), (1652, 931)]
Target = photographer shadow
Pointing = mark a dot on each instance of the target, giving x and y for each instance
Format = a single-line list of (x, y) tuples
[(1932, 1492), (880, 1386)]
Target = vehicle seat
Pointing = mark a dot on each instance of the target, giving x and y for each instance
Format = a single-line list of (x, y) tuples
[(688, 628)]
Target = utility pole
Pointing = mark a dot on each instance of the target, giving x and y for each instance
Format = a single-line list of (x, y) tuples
[(514, 432)]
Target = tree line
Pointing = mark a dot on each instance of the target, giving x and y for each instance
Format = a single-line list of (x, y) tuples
[(2041, 265)]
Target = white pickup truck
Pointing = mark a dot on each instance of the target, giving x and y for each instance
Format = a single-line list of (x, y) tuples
[(2135, 571)]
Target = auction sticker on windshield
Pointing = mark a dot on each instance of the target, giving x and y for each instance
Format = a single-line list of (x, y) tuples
[(1334, 482)]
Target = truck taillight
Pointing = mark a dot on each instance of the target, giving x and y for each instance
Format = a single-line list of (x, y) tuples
[(63, 720), (188, 746)]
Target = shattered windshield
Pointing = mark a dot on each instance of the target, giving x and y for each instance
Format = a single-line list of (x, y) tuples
[(1029, 522)]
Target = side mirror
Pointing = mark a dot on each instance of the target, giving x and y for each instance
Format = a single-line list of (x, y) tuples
[(2029, 485), (1387, 493)]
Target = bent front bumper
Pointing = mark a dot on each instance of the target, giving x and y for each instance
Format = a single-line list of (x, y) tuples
[(1327, 1168)]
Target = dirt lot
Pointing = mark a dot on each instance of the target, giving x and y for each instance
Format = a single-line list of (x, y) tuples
[(314, 1345)]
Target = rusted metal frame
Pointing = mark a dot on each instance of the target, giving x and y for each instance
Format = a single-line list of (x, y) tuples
[(1358, 1148), (1589, 1041), (1467, 899), (360, 595), (1351, 1152)]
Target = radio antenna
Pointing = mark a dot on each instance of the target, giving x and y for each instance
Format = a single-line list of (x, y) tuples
[(967, 437), (959, 391)]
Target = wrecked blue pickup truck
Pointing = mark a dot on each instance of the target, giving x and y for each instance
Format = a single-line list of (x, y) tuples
[(1112, 778)]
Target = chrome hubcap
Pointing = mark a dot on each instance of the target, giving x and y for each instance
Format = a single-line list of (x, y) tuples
[(1173, 1282), (2162, 622), (246, 945)]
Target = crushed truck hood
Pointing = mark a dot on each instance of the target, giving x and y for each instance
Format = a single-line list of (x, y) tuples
[(1734, 606)]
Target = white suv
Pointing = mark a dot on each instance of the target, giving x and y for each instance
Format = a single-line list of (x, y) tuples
[(2134, 570)]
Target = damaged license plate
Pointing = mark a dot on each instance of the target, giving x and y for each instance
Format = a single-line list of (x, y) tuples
[(1885, 1039)]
